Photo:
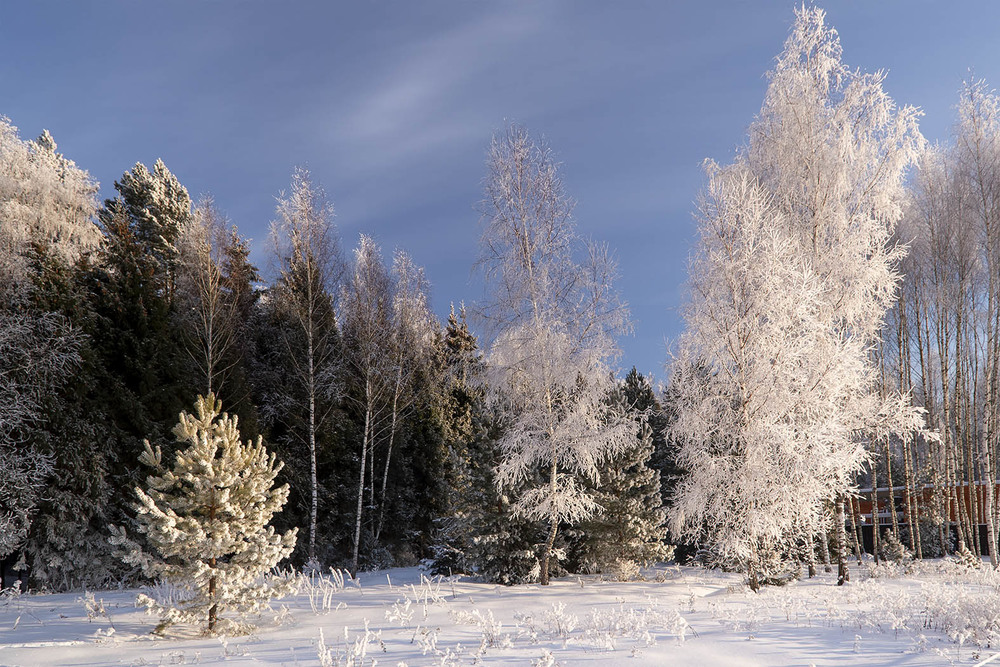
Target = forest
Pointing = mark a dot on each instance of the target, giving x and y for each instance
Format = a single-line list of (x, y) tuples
[(839, 363)]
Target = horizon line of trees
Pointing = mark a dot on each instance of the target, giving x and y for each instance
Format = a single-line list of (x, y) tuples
[(842, 331), (393, 427)]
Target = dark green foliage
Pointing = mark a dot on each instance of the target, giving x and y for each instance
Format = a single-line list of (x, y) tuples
[(67, 547), (475, 532), (629, 531), (130, 385), (275, 343)]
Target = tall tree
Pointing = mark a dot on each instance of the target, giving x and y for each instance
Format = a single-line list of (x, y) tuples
[(815, 197), (411, 336), (944, 336), (555, 314), (205, 310), (308, 255), (367, 302), (46, 227)]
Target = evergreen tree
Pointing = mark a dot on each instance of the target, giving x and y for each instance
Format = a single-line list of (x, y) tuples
[(207, 519), (54, 456), (458, 352), (629, 530), (640, 397), (134, 292), (476, 531), (239, 276), (158, 207)]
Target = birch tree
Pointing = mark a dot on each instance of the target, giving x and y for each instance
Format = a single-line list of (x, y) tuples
[(307, 250), (815, 196), (367, 303), (947, 326), (554, 314), (409, 342), (207, 311)]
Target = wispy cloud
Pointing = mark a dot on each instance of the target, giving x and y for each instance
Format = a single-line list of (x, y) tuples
[(423, 96)]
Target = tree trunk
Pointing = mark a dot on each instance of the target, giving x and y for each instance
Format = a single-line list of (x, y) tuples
[(876, 522), (550, 542), (213, 610), (811, 554), (314, 484), (361, 484), (824, 549), (855, 538), (843, 574), (892, 493), (388, 453), (910, 486)]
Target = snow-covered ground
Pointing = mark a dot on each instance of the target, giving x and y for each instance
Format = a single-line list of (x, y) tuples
[(932, 614)]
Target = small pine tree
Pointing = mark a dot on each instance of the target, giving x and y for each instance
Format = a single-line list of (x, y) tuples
[(208, 517)]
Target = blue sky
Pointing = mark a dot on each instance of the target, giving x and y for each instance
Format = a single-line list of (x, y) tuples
[(391, 106)]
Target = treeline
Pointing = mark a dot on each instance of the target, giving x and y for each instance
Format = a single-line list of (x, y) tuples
[(114, 316)]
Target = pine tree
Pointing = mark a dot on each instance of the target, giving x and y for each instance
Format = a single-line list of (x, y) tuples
[(475, 530), (207, 518), (465, 484)]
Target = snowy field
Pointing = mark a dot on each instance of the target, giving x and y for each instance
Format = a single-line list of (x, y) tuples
[(936, 613)]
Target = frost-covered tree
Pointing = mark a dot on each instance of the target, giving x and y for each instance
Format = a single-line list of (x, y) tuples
[(46, 208), (412, 331), (22, 479), (46, 202), (37, 354), (367, 302), (944, 340), (306, 247), (749, 322), (207, 517), (795, 271), (157, 208), (554, 314), (205, 309)]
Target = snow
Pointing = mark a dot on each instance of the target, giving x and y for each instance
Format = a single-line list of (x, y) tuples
[(930, 613)]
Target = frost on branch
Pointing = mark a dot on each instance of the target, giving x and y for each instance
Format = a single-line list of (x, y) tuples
[(795, 272), (554, 315), (207, 518)]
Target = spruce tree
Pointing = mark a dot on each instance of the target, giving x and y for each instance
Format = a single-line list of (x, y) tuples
[(476, 531), (207, 518), (629, 529)]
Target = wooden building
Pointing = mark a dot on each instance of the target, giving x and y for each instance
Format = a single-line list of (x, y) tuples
[(966, 510)]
